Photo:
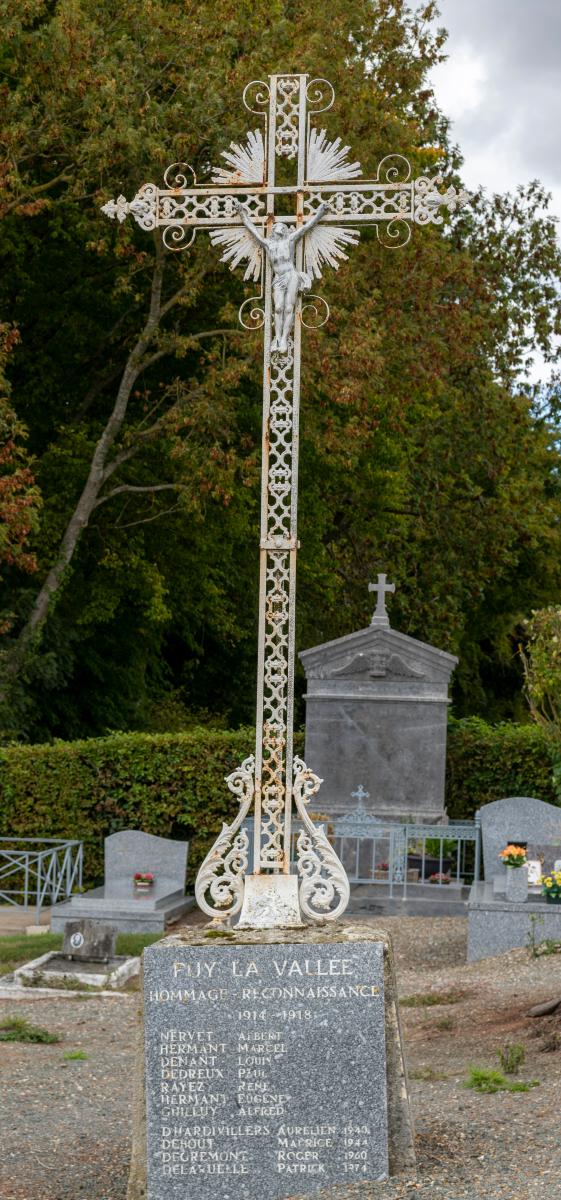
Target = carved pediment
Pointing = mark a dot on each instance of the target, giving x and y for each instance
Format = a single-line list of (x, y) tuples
[(370, 664)]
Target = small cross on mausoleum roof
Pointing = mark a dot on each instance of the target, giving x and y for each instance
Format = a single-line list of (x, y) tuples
[(380, 614)]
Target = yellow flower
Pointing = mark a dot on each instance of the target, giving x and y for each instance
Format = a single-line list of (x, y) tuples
[(548, 882)]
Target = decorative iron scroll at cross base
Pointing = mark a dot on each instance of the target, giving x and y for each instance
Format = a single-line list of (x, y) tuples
[(321, 214)]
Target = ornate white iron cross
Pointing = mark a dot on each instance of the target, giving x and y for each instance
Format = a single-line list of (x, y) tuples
[(284, 251)]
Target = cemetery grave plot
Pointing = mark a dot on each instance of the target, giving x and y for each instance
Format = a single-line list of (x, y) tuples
[(65, 1122)]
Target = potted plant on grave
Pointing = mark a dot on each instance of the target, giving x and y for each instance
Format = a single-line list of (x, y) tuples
[(551, 887), (515, 860), (430, 863), (143, 880), (439, 877)]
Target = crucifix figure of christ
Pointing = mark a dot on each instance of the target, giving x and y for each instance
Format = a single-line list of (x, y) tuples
[(288, 282), (284, 235)]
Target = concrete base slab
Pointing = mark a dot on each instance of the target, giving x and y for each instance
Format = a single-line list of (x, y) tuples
[(55, 968), (129, 916), (420, 900), (495, 924)]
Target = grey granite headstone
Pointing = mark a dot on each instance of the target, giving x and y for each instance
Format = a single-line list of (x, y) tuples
[(119, 902), (517, 819), (376, 714), (131, 850), (273, 1066), (494, 923), (89, 940)]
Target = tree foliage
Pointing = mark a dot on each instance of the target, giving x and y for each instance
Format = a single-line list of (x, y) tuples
[(421, 454), (541, 656), (19, 496)]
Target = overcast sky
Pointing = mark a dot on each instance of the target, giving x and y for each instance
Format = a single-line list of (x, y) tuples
[(501, 86)]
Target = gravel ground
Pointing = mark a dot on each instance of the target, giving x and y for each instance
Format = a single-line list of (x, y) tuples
[(65, 1125)]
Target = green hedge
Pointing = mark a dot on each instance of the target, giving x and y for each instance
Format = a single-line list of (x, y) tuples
[(173, 784), (488, 762), (168, 784)]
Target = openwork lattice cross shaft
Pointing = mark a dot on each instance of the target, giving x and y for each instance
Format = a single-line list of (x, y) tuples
[(284, 236)]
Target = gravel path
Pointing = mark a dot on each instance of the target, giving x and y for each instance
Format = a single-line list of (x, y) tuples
[(64, 1125)]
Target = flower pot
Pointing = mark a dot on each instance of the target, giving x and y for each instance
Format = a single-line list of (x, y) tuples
[(552, 899), (143, 885), (432, 865), (516, 889)]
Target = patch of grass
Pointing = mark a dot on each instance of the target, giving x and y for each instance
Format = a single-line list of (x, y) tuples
[(551, 1042), (65, 985), (427, 1075), (487, 1081), (511, 1057), (17, 1029), (76, 1056), (445, 1023), (18, 948), (134, 943), (428, 999), (547, 947)]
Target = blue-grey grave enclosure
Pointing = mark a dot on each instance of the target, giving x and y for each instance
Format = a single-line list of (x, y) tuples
[(118, 902), (273, 1067)]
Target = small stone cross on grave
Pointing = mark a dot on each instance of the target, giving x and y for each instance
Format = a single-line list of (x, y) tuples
[(380, 614)]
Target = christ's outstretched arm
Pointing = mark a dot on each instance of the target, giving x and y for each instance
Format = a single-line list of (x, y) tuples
[(251, 228), (304, 229)]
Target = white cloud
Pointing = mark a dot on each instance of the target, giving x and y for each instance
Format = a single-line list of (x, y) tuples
[(500, 88), (459, 83)]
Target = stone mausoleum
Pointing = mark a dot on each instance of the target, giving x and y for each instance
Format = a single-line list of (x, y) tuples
[(376, 715)]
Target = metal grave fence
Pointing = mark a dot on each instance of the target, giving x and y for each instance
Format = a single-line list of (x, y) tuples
[(39, 871), (400, 856)]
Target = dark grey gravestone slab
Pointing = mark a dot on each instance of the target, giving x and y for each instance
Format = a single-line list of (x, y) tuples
[(265, 1069), (89, 940), (376, 714)]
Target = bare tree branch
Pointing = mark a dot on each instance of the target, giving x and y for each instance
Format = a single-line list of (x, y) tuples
[(96, 474), (31, 192), (129, 487), (146, 520)]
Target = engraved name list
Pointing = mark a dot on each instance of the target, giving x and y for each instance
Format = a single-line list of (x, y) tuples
[(264, 1062)]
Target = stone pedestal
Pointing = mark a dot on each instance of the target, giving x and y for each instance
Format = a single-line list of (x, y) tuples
[(376, 716), (496, 924), (271, 1065)]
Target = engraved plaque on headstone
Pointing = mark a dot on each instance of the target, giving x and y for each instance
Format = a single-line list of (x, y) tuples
[(265, 1069), (90, 940)]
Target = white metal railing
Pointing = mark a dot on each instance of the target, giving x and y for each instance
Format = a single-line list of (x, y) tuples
[(401, 856), (39, 871)]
